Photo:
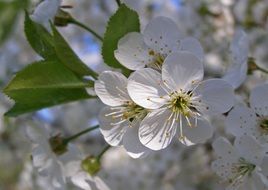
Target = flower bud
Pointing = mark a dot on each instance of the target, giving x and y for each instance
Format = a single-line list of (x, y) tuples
[(252, 66), (58, 145), (62, 18), (91, 165)]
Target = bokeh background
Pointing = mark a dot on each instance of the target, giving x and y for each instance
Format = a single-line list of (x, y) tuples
[(213, 22)]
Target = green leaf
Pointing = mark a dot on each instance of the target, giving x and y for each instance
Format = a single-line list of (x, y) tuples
[(39, 38), (68, 56), (122, 22), (44, 84), (53, 47), (9, 12)]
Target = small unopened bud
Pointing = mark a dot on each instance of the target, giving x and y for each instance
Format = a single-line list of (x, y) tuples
[(252, 66), (91, 165), (204, 11), (58, 145), (62, 18)]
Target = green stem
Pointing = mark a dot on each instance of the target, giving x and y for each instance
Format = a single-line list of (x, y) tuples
[(118, 3), (68, 139), (75, 22), (102, 152), (261, 69)]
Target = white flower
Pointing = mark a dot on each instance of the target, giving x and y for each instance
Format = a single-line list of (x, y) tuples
[(253, 121), (160, 37), (45, 12), (120, 120), (237, 72), (48, 164), (83, 179), (178, 99), (239, 165)]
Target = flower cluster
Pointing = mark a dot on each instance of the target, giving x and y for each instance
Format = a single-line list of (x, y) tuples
[(165, 99), (241, 166), (60, 163), (245, 165), (165, 92)]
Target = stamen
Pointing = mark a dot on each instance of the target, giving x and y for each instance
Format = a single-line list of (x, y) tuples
[(188, 121), (240, 170), (119, 122), (118, 107), (117, 116), (170, 116), (181, 132), (166, 87), (194, 89), (112, 113)]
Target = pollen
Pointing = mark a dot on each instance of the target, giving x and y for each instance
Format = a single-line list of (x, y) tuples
[(157, 60), (180, 103)]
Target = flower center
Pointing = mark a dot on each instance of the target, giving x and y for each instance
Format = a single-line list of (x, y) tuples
[(130, 112), (241, 169), (264, 125), (157, 60), (180, 103)]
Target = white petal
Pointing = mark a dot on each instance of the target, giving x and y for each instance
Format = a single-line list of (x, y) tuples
[(240, 47), (225, 150), (196, 134), (223, 168), (111, 88), (132, 143), (45, 11), (181, 70), (72, 168), (156, 131), (260, 181), (242, 121), (37, 134), (264, 166), (145, 90), (236, 74), (72, 154), (216, 96), (250, 149), (193, 45), (132, 52), (162, 35), (80, 180), (111, 128), (57, 177), (100, 184), (226, 157), (259, 99), (40, 155)]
